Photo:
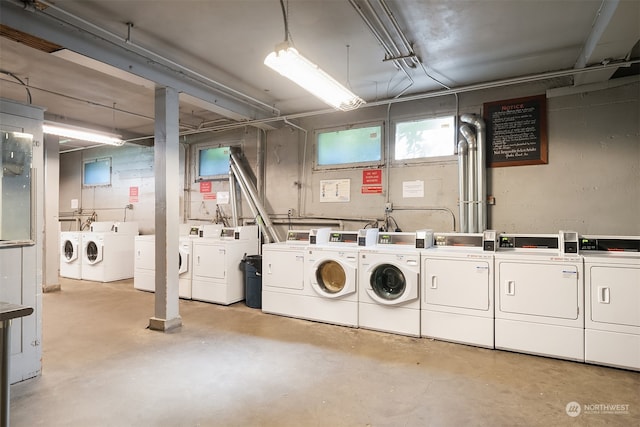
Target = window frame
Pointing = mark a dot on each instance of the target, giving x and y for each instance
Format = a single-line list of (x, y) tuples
[(96, 160), (196, 164), (352, 165), (422, 160)]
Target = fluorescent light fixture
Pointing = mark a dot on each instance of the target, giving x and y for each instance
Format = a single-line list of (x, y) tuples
[(287, 61), (82, 134)]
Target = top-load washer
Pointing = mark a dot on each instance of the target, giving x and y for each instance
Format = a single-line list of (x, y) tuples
[(283, 272), (331, 271), (217, 275), (539, 295), (109, 255), (612, 299), (389, 283), (457, 288), (70, 254)]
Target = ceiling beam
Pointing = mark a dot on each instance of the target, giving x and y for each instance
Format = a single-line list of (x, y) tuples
[(87, 39)]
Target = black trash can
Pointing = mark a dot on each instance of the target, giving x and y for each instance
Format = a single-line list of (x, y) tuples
[(253, 280)]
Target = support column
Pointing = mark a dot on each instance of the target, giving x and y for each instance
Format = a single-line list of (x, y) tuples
[(166, 169)]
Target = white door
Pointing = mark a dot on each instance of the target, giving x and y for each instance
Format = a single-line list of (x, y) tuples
[(283, 269), (457, 283), (615, 295), (548, 290), (209, 261)]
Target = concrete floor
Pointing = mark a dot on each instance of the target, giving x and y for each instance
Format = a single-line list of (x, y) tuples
[(235, 366)]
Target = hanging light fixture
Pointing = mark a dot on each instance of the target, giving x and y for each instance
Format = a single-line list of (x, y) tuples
[(287, 61), (81, 134)]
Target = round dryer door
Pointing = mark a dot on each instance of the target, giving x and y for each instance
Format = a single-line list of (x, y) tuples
[(388, 282), (331, 277), (93, 252), (70, 252)]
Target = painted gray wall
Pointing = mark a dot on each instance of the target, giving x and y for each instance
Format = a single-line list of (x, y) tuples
[(590, 184)]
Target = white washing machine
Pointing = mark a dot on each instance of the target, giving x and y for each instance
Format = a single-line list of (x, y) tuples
[(108, 256), (612, 299), (217, 272), (539, 295), (331, 273), (283, 273), (144, 273), (70, 254), (457, 288), (389, 284)]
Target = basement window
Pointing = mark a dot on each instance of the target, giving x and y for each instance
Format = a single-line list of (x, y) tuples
[(213, 163), (349, 146), (424, 138), (96, 172)]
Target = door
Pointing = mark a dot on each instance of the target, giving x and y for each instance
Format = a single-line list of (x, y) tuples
[(615, 295), (283, 269), (209, 260), (457, 283), (70, 250), (392, 283), (332, 277), (549, 290)]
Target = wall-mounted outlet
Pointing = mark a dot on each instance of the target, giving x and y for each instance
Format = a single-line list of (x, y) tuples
[(129, 206), (290, 212), (388, 207), (491, 200)]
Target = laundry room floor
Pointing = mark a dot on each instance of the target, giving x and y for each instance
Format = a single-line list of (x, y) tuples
[(235, 366)]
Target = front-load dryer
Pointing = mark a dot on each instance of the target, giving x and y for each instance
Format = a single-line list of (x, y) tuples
[(457, 289), (70, 254), (332, 274), (389, 284), (283, 273), (185, 266), (217, 275), (108, 256), (539, 295), (144, 273), (612, 299)]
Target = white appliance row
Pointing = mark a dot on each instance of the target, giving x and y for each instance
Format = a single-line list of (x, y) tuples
[(526, 293), (102, 254), (209, 257)]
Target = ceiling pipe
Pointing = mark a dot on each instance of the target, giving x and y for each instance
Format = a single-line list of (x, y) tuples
[(396, 26)]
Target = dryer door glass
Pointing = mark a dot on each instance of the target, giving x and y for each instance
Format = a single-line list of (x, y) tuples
[(92, 251), (68, 250), (331, 277), (388, 282)]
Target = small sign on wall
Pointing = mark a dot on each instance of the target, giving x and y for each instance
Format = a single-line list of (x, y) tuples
[(133, 195), (223, 197), (372, 177), (335, 190), (371, 189), (412, 189), (205, 186)]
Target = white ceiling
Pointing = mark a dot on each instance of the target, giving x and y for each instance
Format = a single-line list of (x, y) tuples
[(220, 45)]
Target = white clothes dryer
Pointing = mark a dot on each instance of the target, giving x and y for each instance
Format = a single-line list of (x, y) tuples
[(144, 274), (612, 299), (389, 279), (70, 254), (107, 257), (457, 289), (539, 295), (283, 273), (217, 275), (332, 275)]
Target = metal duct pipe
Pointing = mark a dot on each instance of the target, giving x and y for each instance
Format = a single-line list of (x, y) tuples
[(245, 193), (234, 201), (481, 169), (253, 196), (472, 151), (462, 181)]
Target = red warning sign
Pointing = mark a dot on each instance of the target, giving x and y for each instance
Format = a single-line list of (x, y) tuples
[(371, 189), (371, 176), (133, 195), (205, 186)]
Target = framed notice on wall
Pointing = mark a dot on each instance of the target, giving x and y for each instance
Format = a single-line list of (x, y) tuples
[(516, 131)]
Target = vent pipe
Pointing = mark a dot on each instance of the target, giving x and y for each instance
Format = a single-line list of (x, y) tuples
[(476, 173), (462, 179)]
